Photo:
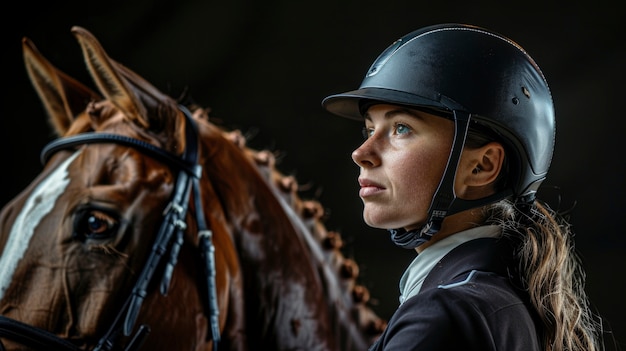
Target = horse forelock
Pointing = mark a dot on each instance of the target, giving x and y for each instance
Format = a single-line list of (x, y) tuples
[(166, 123)]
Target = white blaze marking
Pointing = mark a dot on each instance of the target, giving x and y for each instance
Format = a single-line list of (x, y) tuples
[(40, 203)]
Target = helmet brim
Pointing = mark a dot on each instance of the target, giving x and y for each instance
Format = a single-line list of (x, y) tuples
[(349, 104)]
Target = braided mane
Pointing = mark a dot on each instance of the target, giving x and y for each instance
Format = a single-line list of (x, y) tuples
[(346, 296)]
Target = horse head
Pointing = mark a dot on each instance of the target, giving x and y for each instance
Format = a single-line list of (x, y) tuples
[(151, 226)]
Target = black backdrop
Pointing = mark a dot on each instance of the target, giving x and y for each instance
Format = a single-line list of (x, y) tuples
[(264, 66)]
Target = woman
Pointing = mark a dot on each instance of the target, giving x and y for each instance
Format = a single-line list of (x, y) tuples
[(459, 126)]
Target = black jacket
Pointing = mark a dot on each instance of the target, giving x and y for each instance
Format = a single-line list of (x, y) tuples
[(466, 303)]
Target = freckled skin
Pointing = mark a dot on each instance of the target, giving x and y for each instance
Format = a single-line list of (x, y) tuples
[(404, 155), (402, 162)]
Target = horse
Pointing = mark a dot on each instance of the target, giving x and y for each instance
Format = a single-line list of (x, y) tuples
[(153, 227)]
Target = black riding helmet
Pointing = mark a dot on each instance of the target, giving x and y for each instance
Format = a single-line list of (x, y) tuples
[(472, 75)]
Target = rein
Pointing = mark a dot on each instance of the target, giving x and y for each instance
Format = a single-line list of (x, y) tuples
[(166, 247)]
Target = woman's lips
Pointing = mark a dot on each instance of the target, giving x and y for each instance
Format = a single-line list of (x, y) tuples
[(369, 188)]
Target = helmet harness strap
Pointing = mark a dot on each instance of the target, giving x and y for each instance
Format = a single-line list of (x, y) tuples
[(444, 195), (444, 201)]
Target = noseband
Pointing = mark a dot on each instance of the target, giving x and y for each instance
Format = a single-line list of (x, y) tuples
[(166, 247)]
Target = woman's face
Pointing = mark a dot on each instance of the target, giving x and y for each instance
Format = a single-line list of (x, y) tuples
[(401, 163)]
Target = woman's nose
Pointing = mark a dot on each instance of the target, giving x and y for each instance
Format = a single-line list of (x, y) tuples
[(365, 155)]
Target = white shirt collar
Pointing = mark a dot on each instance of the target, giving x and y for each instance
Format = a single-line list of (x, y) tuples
[(416, 272)]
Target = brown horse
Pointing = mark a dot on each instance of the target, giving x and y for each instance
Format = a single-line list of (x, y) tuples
[(152, 227)]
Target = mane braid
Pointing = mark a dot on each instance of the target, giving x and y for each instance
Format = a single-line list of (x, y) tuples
[(342, 272)]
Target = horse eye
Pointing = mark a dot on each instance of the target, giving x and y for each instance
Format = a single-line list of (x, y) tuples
[(94, 224)]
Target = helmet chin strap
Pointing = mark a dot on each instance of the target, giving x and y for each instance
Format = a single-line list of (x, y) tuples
[(414, 238), (444, 195), (444, 201)]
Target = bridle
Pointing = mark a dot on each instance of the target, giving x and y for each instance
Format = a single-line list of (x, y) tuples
[(166, 247)]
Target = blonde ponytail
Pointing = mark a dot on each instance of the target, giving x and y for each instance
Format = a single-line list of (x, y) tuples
[(552, 274)]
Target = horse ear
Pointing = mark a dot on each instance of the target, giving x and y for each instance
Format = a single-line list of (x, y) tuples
[(136, 97), (63, 97)]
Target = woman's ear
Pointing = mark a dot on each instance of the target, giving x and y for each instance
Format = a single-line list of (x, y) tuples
[(479, 168)]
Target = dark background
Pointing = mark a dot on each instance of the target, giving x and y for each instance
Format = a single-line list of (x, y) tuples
[(264, 66)]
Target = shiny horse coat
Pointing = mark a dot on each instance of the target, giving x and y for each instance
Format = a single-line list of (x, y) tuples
[(75, 242)]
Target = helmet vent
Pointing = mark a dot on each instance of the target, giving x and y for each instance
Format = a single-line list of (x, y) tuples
[(384, 57), (526, 92)]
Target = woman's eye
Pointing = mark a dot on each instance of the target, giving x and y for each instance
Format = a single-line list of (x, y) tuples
[(367, 132), (402, 128)]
